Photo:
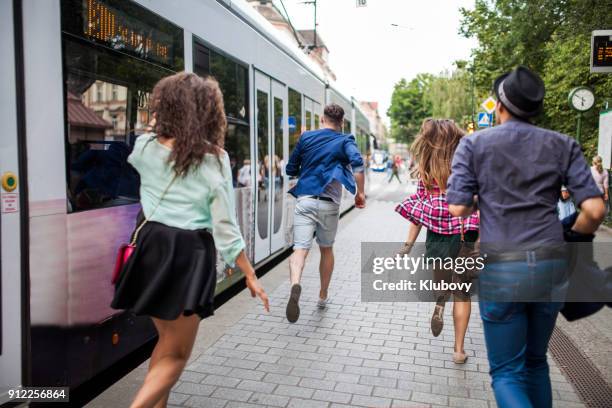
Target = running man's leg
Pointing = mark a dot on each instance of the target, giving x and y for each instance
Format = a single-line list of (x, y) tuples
[(329, 214), (542, 318), (326, 267), (304, 226), (296, 265)]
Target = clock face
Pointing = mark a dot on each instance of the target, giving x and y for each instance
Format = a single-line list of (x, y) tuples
[(582, 99)]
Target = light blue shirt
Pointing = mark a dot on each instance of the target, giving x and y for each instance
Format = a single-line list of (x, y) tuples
[(565, 208), (203, 199)]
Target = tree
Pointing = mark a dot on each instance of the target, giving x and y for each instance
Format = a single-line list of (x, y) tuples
[(552, 37), (449, 95), (409, 107)]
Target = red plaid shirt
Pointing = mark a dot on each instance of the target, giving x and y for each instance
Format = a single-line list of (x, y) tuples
[(430, 209)]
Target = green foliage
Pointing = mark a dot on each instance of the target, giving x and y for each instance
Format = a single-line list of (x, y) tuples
[(450, 96), (551, 37), (447, 95), (409, 107)]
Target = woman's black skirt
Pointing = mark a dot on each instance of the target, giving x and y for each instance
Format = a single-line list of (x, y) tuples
[(171, 272)]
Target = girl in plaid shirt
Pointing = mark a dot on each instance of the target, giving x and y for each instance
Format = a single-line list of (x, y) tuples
[(433, 149)]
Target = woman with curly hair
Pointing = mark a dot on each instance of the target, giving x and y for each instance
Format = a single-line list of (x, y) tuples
[(188, 213), (433, 149)]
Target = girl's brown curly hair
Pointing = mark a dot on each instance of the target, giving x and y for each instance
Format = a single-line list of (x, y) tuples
[(434, 148), (189, 109)]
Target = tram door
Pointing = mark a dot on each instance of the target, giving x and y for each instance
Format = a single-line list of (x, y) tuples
[(10, 217), (271, 148)]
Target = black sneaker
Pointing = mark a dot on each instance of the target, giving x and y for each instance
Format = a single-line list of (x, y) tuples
[(293, 307), (437, 320)]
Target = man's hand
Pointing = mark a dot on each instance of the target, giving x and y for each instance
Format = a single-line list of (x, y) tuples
[(360, 200)]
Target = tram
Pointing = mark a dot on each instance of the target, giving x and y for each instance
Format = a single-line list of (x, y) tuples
[(75, 86)]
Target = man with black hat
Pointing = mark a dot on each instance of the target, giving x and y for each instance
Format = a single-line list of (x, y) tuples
[(516, 170)]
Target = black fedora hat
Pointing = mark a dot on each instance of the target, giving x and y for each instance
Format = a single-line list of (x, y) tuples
[(521, 91)]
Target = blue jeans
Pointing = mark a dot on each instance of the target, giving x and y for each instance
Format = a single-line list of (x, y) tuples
[(517, 335)]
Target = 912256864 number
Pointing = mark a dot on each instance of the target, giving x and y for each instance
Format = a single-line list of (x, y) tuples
[(39, 394)]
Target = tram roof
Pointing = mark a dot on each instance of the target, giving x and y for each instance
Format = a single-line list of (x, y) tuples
[(265, 28)]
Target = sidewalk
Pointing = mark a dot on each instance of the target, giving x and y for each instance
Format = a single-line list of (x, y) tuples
[(351, 355)]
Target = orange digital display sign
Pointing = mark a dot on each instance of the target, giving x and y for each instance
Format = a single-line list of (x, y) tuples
[(119, 31), (601, 58)]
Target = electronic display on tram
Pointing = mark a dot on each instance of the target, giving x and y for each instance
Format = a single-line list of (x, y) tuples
[(126, 27)]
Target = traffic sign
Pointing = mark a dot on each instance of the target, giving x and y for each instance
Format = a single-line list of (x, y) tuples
[(485, 119), (489, 104), (292, 123)]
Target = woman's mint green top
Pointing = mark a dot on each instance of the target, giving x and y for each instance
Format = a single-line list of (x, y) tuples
[(204, 198)]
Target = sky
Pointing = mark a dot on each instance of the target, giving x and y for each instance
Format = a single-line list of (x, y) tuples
[(369, 55)]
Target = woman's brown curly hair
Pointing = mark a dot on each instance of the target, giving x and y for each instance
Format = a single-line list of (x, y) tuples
[(189, 109), (434, 148)]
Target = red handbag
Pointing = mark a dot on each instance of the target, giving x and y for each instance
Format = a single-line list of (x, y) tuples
[(126, 250), (124, 253)]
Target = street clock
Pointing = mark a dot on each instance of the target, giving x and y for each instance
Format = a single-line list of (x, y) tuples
[(581, 99)]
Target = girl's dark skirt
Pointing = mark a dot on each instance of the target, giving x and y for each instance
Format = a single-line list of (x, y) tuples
[(172, 272)]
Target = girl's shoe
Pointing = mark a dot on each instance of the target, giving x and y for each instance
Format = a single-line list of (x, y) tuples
[(437, 319), (459, 358), (322, 303), (405, 249)]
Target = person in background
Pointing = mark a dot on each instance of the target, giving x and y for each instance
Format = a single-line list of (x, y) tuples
[(433, 149), (600, 175), (565, 206), (507, 168), (244, 174), (188, 213), (324, 160), (395, 168)]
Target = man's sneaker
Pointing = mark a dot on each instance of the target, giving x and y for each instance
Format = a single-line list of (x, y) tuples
[(437, 320), (293, 307), (322, 303)]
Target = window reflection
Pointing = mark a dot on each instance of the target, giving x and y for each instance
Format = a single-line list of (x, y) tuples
[(278, 165), (308, 120), (317, 124), (346, 128), (295, 118), (107, 104), (237, 146), (231, 75), (263, 164)]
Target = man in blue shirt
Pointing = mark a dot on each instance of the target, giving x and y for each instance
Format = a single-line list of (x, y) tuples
[(516, 171), (324, 160)]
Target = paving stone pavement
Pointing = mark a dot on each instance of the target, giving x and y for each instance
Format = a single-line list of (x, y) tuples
[(352, 354)]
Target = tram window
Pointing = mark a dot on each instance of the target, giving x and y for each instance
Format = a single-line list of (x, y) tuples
[(232, 77), (347, 126), (263, 163), (308, 120), (238, 148), (317, 121), (107, 101), (295, 118), (277, 163), (233, 81)]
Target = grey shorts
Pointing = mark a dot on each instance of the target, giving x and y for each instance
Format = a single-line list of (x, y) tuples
[(314, 217)]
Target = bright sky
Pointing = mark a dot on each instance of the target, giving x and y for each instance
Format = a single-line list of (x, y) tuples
[(369, 55)]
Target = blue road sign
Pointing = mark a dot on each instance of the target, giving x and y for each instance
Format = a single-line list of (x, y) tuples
[(485, 120), (292, 123)]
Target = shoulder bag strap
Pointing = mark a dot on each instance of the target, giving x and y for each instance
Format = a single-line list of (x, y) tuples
[(161, 198)]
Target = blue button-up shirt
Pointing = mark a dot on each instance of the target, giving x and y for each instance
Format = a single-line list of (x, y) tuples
[(322, 156), (517, 171)]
